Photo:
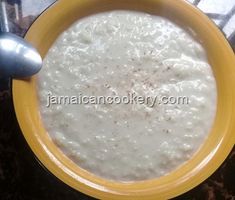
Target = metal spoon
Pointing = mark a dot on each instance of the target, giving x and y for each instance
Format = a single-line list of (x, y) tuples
[(18, 58)]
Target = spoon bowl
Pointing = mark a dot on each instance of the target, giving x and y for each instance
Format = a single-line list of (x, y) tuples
[(18, 58)]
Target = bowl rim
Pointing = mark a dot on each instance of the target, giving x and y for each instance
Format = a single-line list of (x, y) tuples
[(181, 180)]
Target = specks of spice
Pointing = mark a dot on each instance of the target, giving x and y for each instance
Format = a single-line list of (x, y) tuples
[(118, 53)]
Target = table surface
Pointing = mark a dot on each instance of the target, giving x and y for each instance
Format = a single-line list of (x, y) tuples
[(22, 177)]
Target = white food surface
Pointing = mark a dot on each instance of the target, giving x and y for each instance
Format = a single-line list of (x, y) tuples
[(115, 53)]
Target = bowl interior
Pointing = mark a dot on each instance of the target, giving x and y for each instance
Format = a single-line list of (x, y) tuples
[(221, 139)]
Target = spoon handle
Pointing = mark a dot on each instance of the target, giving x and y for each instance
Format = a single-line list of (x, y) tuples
[(3, 17)]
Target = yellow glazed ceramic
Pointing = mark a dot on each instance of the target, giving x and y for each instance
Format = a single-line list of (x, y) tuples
[(213, 152)]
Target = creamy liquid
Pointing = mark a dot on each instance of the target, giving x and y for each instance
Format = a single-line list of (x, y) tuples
[(116, 53)]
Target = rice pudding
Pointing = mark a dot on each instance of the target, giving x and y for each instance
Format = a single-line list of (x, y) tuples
[(119, 53)]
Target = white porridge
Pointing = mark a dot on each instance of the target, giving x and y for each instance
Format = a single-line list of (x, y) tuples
[(118, 53)]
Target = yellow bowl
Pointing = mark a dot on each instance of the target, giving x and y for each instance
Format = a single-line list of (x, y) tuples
[(213, 152)]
